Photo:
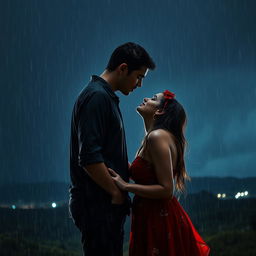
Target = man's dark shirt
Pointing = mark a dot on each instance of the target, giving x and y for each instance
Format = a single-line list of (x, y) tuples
[(97, 135)]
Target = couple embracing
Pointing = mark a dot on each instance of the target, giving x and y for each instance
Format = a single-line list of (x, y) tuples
[(100, 171)]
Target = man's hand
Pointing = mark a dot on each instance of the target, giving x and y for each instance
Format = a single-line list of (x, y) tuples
[(118, 198), (100, 175)]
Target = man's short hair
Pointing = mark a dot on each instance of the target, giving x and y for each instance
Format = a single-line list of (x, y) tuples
[(133, 55)]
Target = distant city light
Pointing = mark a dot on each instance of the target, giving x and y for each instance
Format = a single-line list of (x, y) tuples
[(241, 194), (219, 195), (54, 205), (13, 207)]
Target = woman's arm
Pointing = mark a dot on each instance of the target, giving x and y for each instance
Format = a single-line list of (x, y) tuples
[(149, 191), (159, 149)]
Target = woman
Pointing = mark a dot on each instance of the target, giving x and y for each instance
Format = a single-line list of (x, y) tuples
[(160, 226)]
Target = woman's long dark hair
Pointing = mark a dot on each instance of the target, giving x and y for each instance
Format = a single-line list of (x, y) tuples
[(174, 121)]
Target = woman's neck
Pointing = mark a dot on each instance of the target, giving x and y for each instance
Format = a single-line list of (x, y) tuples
[(148, 124)]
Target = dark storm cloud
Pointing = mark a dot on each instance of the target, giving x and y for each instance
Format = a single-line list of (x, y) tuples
[(223, 144), (204, 50)]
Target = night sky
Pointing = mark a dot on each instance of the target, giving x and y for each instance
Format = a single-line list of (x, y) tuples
[(205, 52)]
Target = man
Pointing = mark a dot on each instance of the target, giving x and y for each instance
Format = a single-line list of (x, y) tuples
[(97, 206)]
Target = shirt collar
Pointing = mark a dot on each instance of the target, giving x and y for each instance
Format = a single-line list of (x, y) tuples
[(106, 86)]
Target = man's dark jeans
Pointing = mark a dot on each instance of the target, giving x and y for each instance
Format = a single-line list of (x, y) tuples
[(101, 226)]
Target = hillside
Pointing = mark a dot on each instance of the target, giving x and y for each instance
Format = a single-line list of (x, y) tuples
[(57, 191)]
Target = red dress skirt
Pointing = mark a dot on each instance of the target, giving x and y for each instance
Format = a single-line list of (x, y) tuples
[(160, 226)]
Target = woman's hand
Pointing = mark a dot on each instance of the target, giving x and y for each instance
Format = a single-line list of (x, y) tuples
[(118, 180)]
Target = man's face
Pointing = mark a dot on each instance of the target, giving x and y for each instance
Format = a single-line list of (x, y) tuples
[(133, 80)]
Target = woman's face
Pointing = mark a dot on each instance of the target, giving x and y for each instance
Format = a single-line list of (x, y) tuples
[(149, 106)]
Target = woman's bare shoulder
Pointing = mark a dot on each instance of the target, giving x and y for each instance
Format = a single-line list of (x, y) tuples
[(161, 135)]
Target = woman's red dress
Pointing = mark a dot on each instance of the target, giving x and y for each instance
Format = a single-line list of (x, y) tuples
[(160, 226)]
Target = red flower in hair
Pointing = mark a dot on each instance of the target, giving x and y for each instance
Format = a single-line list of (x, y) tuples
[(168, 96)]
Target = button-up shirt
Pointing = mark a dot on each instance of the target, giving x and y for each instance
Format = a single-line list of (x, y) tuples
[(97, 135)]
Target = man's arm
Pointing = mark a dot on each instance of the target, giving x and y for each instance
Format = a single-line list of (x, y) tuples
[(92, 129), (100, 175)]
